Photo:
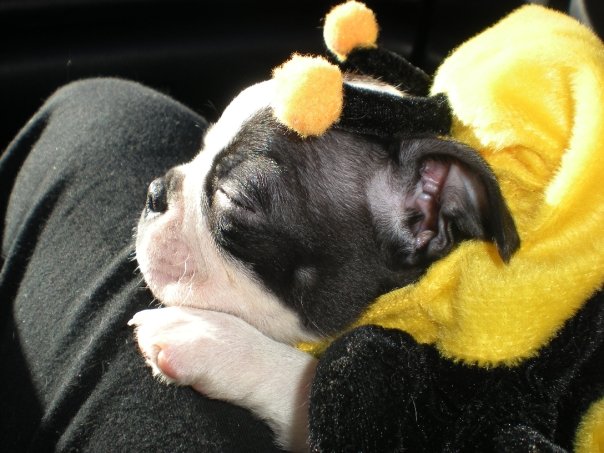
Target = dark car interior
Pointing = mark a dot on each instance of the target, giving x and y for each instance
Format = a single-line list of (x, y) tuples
[(203, 52)]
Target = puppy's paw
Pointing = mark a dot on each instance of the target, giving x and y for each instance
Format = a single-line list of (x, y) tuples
[(200, 348), (224, 357), (179, 343), (157, 332)]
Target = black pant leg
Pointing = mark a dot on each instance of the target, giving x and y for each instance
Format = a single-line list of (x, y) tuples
[(72, 378)]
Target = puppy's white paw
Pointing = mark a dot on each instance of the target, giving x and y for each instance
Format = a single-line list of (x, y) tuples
[(184, 345), (224, 357)]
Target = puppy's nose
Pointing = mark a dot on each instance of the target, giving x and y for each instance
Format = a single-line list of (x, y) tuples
[(157, 196)]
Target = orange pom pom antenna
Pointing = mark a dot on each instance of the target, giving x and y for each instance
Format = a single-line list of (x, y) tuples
[(309, 94), (348, 26)]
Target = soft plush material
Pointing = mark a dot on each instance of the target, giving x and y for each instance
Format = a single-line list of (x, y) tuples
[(312, 95), (348, 27), (482, 355), (528, 94)]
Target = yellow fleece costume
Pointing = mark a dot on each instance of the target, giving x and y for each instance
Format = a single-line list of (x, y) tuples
[(528, 95)]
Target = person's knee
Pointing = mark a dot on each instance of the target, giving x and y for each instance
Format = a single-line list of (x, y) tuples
[(119, 98), (98, 127), (89, 92), (108, 100), (112, 116)]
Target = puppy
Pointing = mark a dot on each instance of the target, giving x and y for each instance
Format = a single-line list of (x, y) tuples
[(266, 239)]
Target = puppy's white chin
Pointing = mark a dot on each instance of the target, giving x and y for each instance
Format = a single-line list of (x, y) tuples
[(167, 263), (180, 275), (170, 289)]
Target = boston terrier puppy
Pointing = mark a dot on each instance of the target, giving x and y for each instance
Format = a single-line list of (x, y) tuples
[(266, 239)]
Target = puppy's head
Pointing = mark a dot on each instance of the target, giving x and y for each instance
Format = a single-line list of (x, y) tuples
[(297, 236)]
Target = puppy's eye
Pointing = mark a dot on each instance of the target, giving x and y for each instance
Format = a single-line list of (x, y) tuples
[(228, 197)]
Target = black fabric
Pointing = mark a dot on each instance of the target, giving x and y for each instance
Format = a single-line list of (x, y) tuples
[(390, 116), (378, 390), (386, 115), (74, 184), (390, 68)]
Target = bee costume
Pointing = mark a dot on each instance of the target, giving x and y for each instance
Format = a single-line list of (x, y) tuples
[(479, 354)]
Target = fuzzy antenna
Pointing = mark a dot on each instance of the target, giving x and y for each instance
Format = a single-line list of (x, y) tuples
[(350, 33)]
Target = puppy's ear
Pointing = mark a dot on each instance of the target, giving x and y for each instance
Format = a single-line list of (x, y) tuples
[(432, 195)]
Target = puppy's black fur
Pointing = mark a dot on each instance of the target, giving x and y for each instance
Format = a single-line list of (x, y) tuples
[(330, 223)]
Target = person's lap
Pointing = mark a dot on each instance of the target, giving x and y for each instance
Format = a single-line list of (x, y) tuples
[(72, 377)]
